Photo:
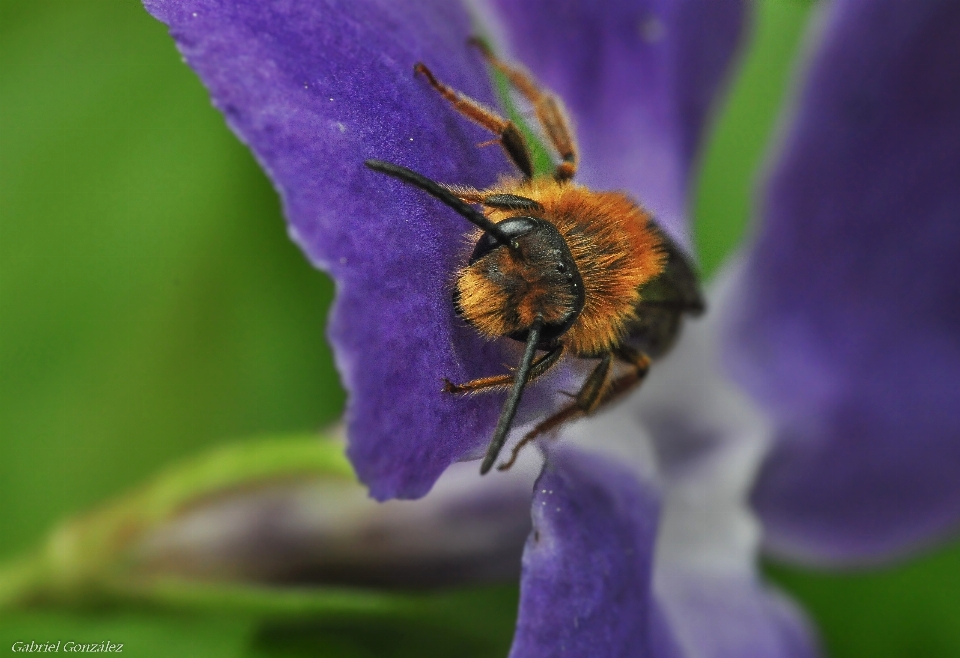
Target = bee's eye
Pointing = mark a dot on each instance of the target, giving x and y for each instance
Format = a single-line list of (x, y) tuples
[(514, 227), (561, 268)]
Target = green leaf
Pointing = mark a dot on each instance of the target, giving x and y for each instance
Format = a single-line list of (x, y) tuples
[(152, 303), (744, 133), (86, 566), (90, 560), (903, 610), (92, 557), (143, 635), (476, 623)]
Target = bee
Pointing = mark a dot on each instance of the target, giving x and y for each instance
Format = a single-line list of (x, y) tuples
[(563, 269)]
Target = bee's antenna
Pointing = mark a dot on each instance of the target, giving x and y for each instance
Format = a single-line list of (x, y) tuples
[(510, 407), (444, 195)]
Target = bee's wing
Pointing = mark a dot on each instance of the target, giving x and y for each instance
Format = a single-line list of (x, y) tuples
[(665, 300)]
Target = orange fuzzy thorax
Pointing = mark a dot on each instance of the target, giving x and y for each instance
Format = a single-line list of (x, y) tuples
[(612, 244)]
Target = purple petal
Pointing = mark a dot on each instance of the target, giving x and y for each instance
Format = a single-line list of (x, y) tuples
[(850, 316), (315, 88), (706, 440), (639, 77), (586, 583)]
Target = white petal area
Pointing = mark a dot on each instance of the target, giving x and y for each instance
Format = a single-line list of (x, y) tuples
[(702, 439), (709, 439), (714, 616)]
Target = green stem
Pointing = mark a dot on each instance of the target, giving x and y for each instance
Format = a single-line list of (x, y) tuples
[(87, 557)]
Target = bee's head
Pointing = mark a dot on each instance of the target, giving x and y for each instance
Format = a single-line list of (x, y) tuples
[(504, 288), (521, 272)]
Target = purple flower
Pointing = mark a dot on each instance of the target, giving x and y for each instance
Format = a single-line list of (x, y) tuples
[(839, 321)]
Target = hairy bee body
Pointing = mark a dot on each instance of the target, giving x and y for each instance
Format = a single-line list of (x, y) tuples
[(559, 267), (615, 247)]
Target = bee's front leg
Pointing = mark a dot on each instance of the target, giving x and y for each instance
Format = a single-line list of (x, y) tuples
[(501, 382)]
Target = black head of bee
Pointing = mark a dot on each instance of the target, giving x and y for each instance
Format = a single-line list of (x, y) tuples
[(523, 283), (539, 277), (522, 268)]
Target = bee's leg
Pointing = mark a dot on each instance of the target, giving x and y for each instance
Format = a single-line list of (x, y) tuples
[(592, 394), (509, 135), (592, 390), (595, 394), (639, 366), (540, 367), (550, 112)]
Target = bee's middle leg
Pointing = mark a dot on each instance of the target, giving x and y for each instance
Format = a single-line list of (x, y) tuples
[(597, 391)]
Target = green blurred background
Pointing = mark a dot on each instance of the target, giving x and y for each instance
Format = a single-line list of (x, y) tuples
[(151, 306)]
